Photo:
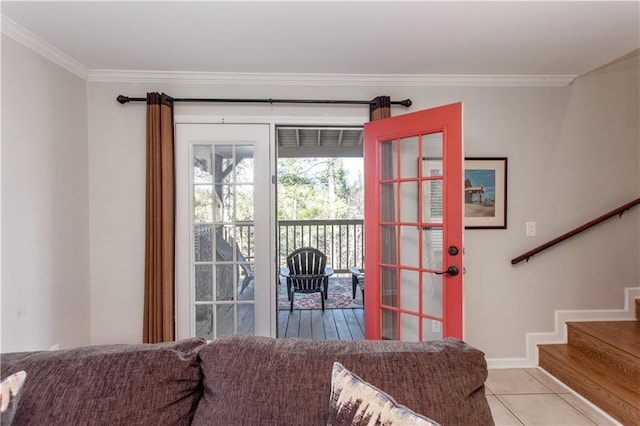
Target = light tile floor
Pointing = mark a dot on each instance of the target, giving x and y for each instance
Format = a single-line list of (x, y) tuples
[(530, 396)]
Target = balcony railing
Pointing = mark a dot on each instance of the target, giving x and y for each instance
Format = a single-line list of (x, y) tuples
[(341, 240)]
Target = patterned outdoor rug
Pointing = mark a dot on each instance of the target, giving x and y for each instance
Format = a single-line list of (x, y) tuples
[(340, 296)]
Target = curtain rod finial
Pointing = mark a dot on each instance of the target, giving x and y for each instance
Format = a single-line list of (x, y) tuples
[(123, 99), (406, 103)]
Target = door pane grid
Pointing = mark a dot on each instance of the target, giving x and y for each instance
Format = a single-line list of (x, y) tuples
[(411, 217), (432, 178), (224, 298)]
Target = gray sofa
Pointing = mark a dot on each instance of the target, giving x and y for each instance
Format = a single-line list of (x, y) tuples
[(238, 380)]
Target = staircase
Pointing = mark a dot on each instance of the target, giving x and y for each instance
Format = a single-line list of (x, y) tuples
[(601, 361)]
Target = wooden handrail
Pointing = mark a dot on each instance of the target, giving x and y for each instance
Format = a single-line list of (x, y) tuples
[(576, 231)]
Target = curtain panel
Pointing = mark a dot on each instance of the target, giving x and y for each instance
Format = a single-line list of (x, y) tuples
[(380, 108), (159, 274)]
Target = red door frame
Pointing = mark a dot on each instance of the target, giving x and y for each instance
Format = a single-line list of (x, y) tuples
[(448, 120)]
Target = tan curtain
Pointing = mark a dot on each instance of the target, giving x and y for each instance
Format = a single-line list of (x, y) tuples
[(380, 108), (159, 274)]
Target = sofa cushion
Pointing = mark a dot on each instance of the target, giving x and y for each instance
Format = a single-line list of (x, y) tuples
[(354, 402), (113, 384), (260, 380)]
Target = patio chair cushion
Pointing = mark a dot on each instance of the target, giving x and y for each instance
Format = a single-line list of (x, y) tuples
[(354, 402)]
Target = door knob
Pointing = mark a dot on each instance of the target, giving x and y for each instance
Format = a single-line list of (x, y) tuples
[(451, 270)]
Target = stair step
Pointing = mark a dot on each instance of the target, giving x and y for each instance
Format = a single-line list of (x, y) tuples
[(616, 343), (609, 388)]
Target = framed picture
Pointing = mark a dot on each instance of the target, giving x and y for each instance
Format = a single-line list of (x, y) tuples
[(485, 193)]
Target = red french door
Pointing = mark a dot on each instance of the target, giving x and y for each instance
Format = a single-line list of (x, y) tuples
[(413, 225)]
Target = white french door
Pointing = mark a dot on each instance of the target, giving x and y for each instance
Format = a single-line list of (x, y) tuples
[(222, 230)]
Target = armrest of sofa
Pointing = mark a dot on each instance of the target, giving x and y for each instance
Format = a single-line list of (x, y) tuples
[(110, 384)]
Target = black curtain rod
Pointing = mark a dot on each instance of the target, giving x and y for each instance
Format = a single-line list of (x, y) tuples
[(405, 103)]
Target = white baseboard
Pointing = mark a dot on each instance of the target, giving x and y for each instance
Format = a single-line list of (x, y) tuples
[(509, 363), (559, 335)]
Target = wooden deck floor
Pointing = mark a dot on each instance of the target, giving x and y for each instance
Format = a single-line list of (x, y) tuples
[(332, 324)]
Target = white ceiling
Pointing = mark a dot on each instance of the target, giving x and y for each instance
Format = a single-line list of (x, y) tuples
[(391, 38)]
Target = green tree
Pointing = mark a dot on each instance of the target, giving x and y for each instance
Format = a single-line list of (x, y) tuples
[(317, 188), (308, 188)]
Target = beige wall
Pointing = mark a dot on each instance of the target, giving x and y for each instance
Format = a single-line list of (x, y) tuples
[(45, 210), (573, 154), (565, 170)]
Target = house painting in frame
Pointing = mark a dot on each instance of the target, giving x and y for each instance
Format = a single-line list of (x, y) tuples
[(485, 193)]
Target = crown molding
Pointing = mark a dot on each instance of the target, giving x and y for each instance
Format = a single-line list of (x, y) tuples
[(35, 43), (315, 79)]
